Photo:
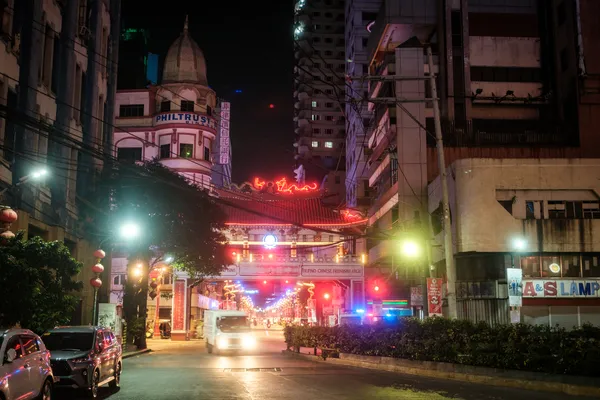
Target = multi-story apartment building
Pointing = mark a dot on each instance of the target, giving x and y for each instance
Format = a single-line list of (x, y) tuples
[(319, 91), (57, 86), (516, 80), (359, 14)]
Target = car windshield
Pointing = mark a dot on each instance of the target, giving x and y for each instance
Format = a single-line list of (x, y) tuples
[(234, 324), (73, 341)]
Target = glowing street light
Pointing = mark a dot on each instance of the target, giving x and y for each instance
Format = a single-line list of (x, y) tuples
[(519, 244), (40, 173), (411, 249), (130, 230)]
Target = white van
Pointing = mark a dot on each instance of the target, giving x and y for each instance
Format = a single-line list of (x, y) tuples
[(227, 330)]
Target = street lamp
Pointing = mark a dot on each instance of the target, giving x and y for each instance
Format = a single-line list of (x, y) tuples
[(519, 244), (130, 230), (36, 174), (411, 249)]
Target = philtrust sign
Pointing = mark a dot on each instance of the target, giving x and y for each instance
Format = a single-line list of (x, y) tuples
[(187, 118), (535, 288)]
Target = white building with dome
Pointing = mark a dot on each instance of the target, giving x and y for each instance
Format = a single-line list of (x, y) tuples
[(175, 121)]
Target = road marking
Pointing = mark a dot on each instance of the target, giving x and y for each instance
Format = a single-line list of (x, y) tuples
[(252, 369)]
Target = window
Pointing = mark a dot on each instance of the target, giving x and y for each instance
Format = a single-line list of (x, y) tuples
[(328, 15), (55, 65), (328, 40), (119, 279), (315, 117), (529, 210), (316, 131), (187, 105), (186, 150), (165, 106), (329, 117), (329, 131), (315, 143), (131, 110), (329, 145), (314, 104), (129, 154), (30, 344), (15, 344), (329, 105), (47, 53), (165, 150), (316, 14)]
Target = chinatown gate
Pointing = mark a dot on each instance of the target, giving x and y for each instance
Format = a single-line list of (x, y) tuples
[(279, 241)]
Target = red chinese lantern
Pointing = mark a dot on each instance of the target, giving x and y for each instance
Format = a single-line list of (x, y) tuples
[(8, 215), (152, 295), (98, 268), (96, 282), (7, 235), (100, 254), (153, 284)]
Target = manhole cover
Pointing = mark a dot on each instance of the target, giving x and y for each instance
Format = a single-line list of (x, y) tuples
[(252, 370)]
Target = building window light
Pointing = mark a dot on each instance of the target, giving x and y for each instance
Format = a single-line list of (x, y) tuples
[(314, 103), (329, 145), (315, 143)]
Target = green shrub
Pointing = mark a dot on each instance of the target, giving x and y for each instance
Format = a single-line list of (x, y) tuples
[(516, 346)]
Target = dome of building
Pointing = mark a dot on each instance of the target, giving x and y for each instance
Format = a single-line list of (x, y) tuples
[(185, 61)]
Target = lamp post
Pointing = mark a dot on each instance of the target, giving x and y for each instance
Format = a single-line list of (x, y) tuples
[(35, 175), (128, 230)]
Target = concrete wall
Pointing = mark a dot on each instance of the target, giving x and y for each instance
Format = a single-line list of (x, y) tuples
[(480, 222)]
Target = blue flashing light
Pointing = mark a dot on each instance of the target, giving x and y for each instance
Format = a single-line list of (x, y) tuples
[(238, 91), (360, 311), (388, 315)]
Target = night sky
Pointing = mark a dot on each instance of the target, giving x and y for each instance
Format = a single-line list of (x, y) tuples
[(248, 46)]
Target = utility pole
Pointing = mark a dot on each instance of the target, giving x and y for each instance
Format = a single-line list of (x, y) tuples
[(448, 246)]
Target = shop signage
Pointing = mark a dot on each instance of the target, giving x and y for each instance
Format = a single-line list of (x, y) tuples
[(514, 278), (434, 296), (337, 270), (230, 270), (188, 118), (224, 144), (179, 305), (267, 270), (416, 296), (535, 288)]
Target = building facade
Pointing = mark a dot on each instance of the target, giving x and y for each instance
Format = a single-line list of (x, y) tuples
[(359, 14), (58, 72), (175, 121), (319, 92), (539, 215), (515, 79)]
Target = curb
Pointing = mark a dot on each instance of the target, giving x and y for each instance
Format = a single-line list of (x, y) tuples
[(490, 380), (135, 353)]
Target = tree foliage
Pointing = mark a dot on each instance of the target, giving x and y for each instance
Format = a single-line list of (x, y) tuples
[(38, 286), (177, 218)]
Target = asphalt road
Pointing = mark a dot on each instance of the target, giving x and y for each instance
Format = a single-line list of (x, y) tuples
[(184, 370)]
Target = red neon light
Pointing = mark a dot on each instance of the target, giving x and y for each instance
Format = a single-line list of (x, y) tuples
[(258, 183), (351, 215), (284, 187)]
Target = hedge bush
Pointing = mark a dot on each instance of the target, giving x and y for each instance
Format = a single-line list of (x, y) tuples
[(516, 346)]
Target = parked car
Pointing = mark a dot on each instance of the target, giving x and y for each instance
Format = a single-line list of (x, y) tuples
[(84, 357), (25, 371)]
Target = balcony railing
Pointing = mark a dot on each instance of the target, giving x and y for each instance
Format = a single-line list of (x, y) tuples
[(483, 133)]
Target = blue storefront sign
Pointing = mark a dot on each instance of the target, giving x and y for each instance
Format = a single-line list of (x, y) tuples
[(185, 118)]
